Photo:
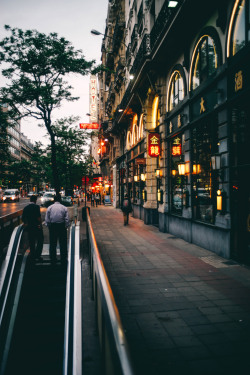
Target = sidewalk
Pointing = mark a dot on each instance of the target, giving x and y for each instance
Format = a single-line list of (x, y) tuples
[(184, 309)]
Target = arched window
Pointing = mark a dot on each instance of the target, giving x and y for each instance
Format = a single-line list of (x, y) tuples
[(237, 27), (204, 61), (155, 112), (175, 90), (134, 130), (141, 127)]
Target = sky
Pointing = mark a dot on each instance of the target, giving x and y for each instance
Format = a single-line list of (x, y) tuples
[(72, 19)]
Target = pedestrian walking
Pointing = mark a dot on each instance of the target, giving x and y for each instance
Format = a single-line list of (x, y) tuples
[(57, 219), (32, 220), (97, 199), (93, 199), (126, 209)]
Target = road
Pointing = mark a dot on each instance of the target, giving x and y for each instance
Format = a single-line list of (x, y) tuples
[(10, 207)]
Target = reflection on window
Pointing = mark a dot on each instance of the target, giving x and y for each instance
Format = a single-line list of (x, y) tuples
[(238, 34), (177, 181), (205, 61), (203, 188), (176, 90)]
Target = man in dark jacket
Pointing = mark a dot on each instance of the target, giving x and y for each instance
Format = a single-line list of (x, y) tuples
[(126, 208), (33, 222)]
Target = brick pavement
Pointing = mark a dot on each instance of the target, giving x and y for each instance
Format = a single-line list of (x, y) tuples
[(184, 309)]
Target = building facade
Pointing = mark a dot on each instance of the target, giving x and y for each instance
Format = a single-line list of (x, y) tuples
[(176, 116)]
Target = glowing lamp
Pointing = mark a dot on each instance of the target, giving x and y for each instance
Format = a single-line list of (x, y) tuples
[(158, 173), (136, 178), (143, 177), (181, 169), (196, 168), (174, 172)]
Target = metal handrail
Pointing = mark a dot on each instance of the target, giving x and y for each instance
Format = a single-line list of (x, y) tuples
[(72, 363), (109, 314), (8, 267)]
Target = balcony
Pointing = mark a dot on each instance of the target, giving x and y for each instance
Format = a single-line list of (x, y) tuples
[(134, 38), (118, 36)]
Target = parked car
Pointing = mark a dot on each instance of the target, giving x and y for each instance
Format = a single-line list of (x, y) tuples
[(40, 193), (47, 199), (11, 195), (67, 201)]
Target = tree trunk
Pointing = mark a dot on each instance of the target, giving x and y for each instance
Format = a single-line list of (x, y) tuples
[(54, 164)]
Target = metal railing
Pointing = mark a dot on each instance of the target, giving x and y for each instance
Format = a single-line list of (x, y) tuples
[(111, 334), (72, 364), (7, 224)]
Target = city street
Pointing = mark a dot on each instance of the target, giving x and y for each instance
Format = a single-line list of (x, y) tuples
[(10, 207)]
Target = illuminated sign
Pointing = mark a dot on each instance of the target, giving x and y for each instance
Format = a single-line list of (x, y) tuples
[(93, 125), (176, 147), (154, 145)]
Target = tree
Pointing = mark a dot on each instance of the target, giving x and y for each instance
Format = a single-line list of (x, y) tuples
[(71, 149), (36, 67)]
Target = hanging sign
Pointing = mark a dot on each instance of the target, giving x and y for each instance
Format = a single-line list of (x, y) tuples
[(154, 145), (93, 125), (176, 147)]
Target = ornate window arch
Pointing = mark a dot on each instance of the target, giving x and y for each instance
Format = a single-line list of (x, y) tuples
[(155, 112), (206, 58), (176, 88), (129, 140), (134, 130), (140, 131), (238, 36)]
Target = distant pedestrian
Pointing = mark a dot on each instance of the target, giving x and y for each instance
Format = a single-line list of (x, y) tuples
[(32, 220), (126, 209), (97, 199), (57, 219), (93, 199)]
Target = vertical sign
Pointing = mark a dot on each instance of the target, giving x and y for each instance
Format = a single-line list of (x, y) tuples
[(154, 145), (93, 99)]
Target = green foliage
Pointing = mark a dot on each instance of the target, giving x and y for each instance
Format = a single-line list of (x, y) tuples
[(37, 65)]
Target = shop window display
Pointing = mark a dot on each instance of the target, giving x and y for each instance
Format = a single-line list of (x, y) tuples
[(177, 180), (204, 182)]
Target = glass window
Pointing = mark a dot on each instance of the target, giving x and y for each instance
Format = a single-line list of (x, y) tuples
[(176, 90), (238, 32), (205, 61), (204, 181), (177, 180)]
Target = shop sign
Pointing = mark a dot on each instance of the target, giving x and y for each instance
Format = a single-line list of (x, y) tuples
[(154, 145), (140, 161), (93, 125), (176, 147)]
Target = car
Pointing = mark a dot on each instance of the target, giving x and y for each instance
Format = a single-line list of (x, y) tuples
[(47, 199), (11, 195), (67, 201), (31, 193), (40, 193)]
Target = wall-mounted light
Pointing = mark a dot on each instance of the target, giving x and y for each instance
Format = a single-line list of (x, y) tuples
[(174, 172), (143, 177), (160, 196), (221, 201), (131, 77), (181, 169), (172, 4), (216, 161), (158, 173), (136, 178), (196, 168)]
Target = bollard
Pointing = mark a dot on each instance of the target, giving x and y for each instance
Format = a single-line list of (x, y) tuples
[(84, 215)]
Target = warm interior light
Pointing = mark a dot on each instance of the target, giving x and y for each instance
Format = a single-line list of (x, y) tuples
[(196, 168), (174, 172), (157, 173), (136, 178), (143, 177)]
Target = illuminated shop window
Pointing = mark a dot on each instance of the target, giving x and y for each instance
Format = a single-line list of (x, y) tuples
[(177, 180), (237, 27), (204, 61), (176, 90)]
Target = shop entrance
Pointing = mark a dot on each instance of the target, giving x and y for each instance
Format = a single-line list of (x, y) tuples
[(240, 183)]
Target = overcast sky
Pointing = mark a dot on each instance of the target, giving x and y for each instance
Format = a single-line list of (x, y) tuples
[(72, 19)]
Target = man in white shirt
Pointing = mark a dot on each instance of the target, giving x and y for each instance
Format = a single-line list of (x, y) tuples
[(57, 219)]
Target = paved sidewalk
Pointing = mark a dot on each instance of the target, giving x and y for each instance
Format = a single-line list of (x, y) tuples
[(184, 309)]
